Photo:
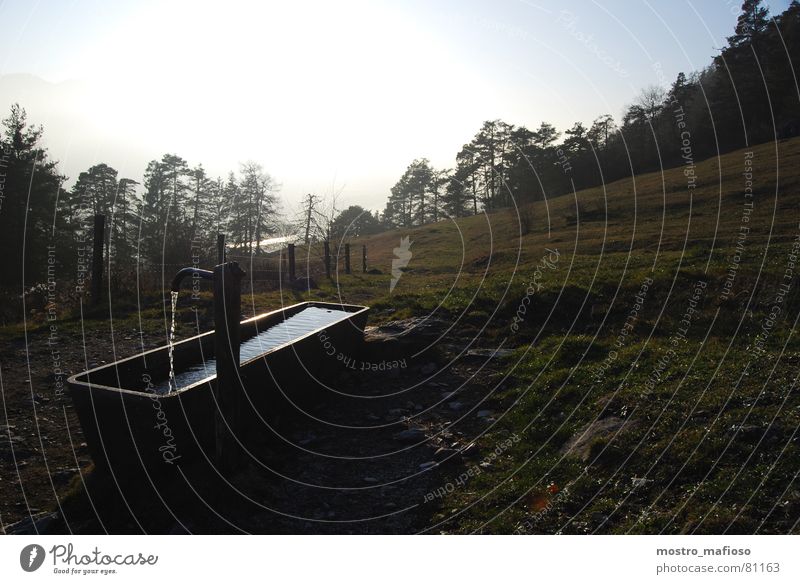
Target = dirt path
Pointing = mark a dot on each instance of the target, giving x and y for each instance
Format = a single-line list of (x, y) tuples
[(42, 451)]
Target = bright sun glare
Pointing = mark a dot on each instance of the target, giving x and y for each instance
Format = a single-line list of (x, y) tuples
[(271, 84)]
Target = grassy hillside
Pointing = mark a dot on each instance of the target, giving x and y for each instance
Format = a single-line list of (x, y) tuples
[(645, 379), (607, 238), (651, 383)]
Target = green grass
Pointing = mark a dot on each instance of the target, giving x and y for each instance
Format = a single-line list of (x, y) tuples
[(714, 437)]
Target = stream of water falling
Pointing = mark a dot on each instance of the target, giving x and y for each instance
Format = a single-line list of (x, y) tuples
[(307, 320), (172, 385)]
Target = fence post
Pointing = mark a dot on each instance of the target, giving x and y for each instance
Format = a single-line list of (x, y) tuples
[(327, 259), (229, 391), (290, 251), (97, 259), (346, 258), (220, 248), (364, 259)]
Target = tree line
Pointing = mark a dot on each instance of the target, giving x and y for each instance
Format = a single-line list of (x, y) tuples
[(746, 95), (171, 215)]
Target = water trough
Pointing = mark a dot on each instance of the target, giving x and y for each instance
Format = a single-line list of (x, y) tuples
[(132, 417)]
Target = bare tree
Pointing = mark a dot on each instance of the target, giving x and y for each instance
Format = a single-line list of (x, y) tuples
[(326, 213), (651, 101), (309, 210)]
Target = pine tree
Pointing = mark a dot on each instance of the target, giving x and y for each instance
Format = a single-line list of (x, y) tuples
[(752, 23), (29, 216)]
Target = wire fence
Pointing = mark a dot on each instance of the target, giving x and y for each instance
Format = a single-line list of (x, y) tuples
[(125, 278), (263, 271)]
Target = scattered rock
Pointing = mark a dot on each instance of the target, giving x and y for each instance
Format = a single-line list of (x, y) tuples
[(33, 525), (401, 339), (410, 435), (65, 474), (418, 326), (489, 353), (750, 431), (581, 443)]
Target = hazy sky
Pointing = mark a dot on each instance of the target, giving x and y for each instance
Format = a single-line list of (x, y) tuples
[(332, 94)]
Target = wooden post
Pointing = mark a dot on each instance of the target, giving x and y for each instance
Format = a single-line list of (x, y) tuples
[(229, 391), (346, 258), (220, 248), (327, 259), (97, 259), (290, 253), (364, 259)]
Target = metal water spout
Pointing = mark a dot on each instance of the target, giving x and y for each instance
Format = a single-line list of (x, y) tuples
[(184, 272), (229, 393)]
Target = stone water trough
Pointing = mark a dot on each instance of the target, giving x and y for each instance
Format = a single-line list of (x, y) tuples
[(133, 416)]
